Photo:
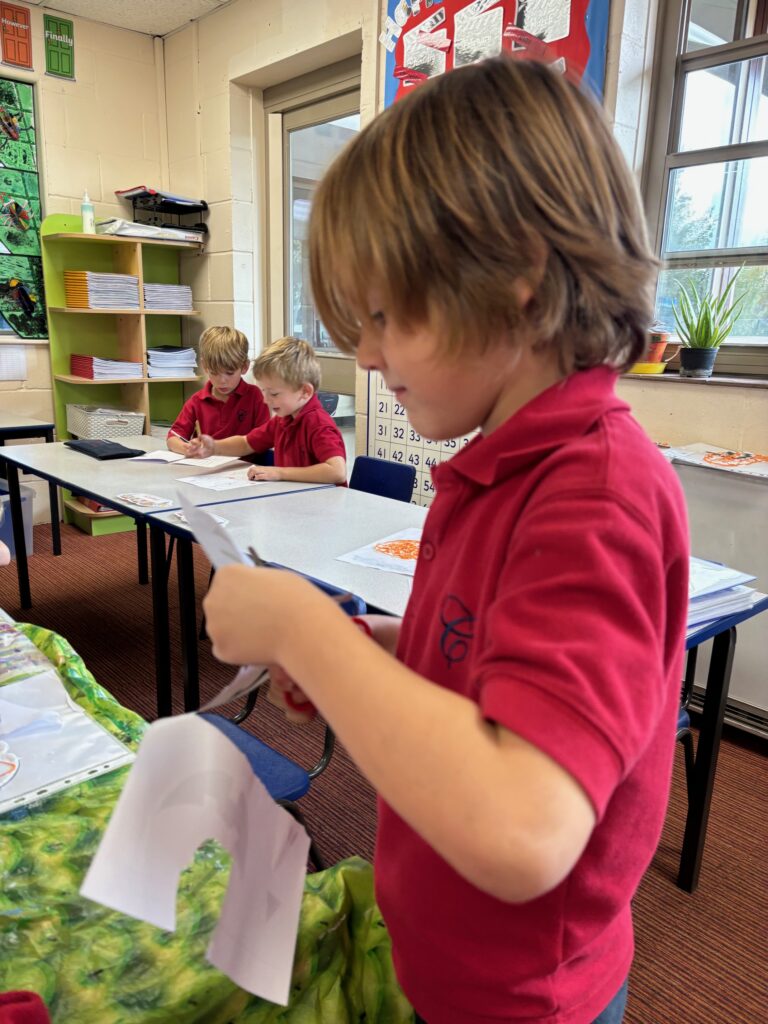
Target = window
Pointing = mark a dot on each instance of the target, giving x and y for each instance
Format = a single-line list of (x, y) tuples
[(706, 178)]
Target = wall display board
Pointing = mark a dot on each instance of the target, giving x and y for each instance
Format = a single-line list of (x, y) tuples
[(21, 276), (390, 436), (15, 36)]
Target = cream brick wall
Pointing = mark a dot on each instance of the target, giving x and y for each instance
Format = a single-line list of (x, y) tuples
[(100, 132)]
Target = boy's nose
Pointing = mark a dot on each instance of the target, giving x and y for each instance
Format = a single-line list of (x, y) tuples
[(368, 354)]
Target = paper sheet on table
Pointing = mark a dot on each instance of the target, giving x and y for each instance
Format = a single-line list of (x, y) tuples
[(190, 783), (396, 553), (710, 578), (221, 481), (56, 743), (212, 536)]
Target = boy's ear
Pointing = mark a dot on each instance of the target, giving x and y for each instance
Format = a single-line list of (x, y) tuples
[(307, 390), (245, 367)]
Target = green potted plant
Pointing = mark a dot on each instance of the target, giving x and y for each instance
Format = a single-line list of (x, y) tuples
[(703, 323)]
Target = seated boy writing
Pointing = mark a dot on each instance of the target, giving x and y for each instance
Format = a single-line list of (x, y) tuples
[(519, 724), (227, 404), (308, 445)]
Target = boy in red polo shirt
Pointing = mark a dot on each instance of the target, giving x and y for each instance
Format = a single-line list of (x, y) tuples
[(308, 445), (227, 404), (482, 245)]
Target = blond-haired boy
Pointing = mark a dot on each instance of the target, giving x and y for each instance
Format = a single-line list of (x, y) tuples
[(481, 244), (227, 404), (307, 443)]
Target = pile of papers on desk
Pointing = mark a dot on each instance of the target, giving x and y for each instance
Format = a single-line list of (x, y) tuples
[(86, 289), (171, 361), (715, 590), (168, 296)]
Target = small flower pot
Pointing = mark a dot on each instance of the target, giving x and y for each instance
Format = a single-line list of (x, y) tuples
[(657, 342), (697, 362)]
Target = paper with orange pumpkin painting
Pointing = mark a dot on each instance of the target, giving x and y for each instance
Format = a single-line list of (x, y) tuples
[(396, 553), (748, 463)]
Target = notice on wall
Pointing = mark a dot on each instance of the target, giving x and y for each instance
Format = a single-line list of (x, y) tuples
[(15, 36), (59, 46)]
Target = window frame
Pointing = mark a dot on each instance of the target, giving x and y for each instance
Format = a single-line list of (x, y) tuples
[(672, 63)]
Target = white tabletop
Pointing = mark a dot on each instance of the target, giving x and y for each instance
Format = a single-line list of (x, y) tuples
[(105, 480), (308, 531), (12, 420)]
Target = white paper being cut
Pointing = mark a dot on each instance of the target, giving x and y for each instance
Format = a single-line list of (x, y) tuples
[(189, 784), (398, 552)]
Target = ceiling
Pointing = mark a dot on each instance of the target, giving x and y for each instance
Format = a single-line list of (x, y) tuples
[(155, 17)]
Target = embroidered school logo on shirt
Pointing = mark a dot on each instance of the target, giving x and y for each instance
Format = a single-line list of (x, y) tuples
[(458, 629)]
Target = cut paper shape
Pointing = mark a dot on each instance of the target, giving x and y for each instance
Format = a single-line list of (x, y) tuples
[(212, 536), (190, 783), (9, 764), (397, 553), (145, 500)]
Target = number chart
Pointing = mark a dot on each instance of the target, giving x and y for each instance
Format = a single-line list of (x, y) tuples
[(390, 436)]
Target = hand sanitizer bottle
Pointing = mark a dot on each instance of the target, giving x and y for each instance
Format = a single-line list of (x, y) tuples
[(86, 209)]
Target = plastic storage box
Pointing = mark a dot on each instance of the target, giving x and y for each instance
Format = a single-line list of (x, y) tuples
[(94, 422), (6, 526)]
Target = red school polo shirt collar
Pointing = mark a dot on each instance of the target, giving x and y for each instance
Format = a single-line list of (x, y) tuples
[(312, 406), (565, 410), (240, 390)]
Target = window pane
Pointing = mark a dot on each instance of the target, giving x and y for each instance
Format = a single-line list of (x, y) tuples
[(717, 206), (725, 105), (751, 325), (712, 23), (311, 150)]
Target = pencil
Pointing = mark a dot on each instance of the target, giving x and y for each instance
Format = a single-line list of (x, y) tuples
[(198, 432)]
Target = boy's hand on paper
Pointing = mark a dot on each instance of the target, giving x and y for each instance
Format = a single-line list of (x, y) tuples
[(201, 447), (265, 473)]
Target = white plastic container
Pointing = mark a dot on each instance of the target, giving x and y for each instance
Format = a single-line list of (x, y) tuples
[(86, 210)]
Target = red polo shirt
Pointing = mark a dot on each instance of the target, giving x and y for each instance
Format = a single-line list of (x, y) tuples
[(551, 589), (308, 437), (243, 410)]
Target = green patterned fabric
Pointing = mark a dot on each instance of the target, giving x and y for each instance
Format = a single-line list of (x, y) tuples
[(95, 966)]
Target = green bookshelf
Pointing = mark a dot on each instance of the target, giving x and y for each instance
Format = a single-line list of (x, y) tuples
[(109, 334)]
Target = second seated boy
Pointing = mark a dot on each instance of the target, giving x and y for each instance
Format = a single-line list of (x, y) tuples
[(308, 445), (227, 404)]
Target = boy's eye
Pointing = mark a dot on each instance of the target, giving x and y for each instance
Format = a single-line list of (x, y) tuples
[(378, 318)]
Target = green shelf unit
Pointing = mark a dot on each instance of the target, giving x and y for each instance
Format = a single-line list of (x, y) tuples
[(109, 334)]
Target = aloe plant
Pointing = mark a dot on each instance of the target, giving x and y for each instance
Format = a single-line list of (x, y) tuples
[(706, 321)]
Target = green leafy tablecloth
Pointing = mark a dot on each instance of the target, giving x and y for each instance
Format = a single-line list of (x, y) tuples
[(95, 966)]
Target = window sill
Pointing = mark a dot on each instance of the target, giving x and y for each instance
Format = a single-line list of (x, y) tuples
[(713, 381)]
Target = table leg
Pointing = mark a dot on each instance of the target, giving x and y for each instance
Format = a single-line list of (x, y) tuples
[(141, 550), (53, 494), (188, 615), (19, 540), (160, 622), (712, 715)]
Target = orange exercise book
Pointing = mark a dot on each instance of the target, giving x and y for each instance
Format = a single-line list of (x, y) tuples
[(85, 289)]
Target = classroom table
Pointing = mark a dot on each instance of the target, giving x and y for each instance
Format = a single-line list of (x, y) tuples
[(722, 632), (104, 481), (305, 532), (18, 428)]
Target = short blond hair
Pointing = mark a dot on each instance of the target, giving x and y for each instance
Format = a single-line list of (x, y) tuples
[(494, 172), (223, 350), (291, 360)]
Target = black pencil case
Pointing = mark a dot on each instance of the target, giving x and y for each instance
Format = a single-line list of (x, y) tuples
[(103, 449)]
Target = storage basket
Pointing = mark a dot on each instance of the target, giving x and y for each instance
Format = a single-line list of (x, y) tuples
[(91, 421)]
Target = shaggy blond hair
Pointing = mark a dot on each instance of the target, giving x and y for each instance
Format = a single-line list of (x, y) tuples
[(291, 360), (493, 172), (223, 350)]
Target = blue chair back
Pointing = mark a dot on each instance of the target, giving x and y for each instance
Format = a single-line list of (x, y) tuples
[(382, 477)]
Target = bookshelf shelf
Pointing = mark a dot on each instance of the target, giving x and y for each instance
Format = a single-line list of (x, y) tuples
[(125, 334)]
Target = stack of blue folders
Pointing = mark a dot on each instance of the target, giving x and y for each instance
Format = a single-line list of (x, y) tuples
[(716, 590)]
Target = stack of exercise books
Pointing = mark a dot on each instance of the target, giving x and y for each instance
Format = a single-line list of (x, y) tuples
[(168, 296), (86, 289), (94, 368), (171, 361), (715, 590)]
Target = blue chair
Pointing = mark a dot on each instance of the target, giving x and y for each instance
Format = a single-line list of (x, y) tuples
[(284, 779), (382, 477)]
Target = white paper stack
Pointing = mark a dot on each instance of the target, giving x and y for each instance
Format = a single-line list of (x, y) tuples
[(168, 296), (716, 590), (86, 289), (171, 361)]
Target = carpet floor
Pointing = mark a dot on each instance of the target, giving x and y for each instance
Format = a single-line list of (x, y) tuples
[(700, 958)]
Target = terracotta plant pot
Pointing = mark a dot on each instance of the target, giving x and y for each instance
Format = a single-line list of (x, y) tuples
[(697, 362), (655, 351)]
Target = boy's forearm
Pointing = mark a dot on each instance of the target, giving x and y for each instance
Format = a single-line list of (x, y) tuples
[(235, 445), (320, 473), (177, 444), (497, 809)]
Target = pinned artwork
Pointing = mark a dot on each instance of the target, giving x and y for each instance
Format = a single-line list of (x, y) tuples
[(423, 40), (22, 304)]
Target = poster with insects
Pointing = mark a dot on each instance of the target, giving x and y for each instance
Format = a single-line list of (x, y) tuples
[(424, 38), (22, 305), (391, 437)]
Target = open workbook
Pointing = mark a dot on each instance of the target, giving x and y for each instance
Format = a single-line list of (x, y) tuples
[(210, 464)]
